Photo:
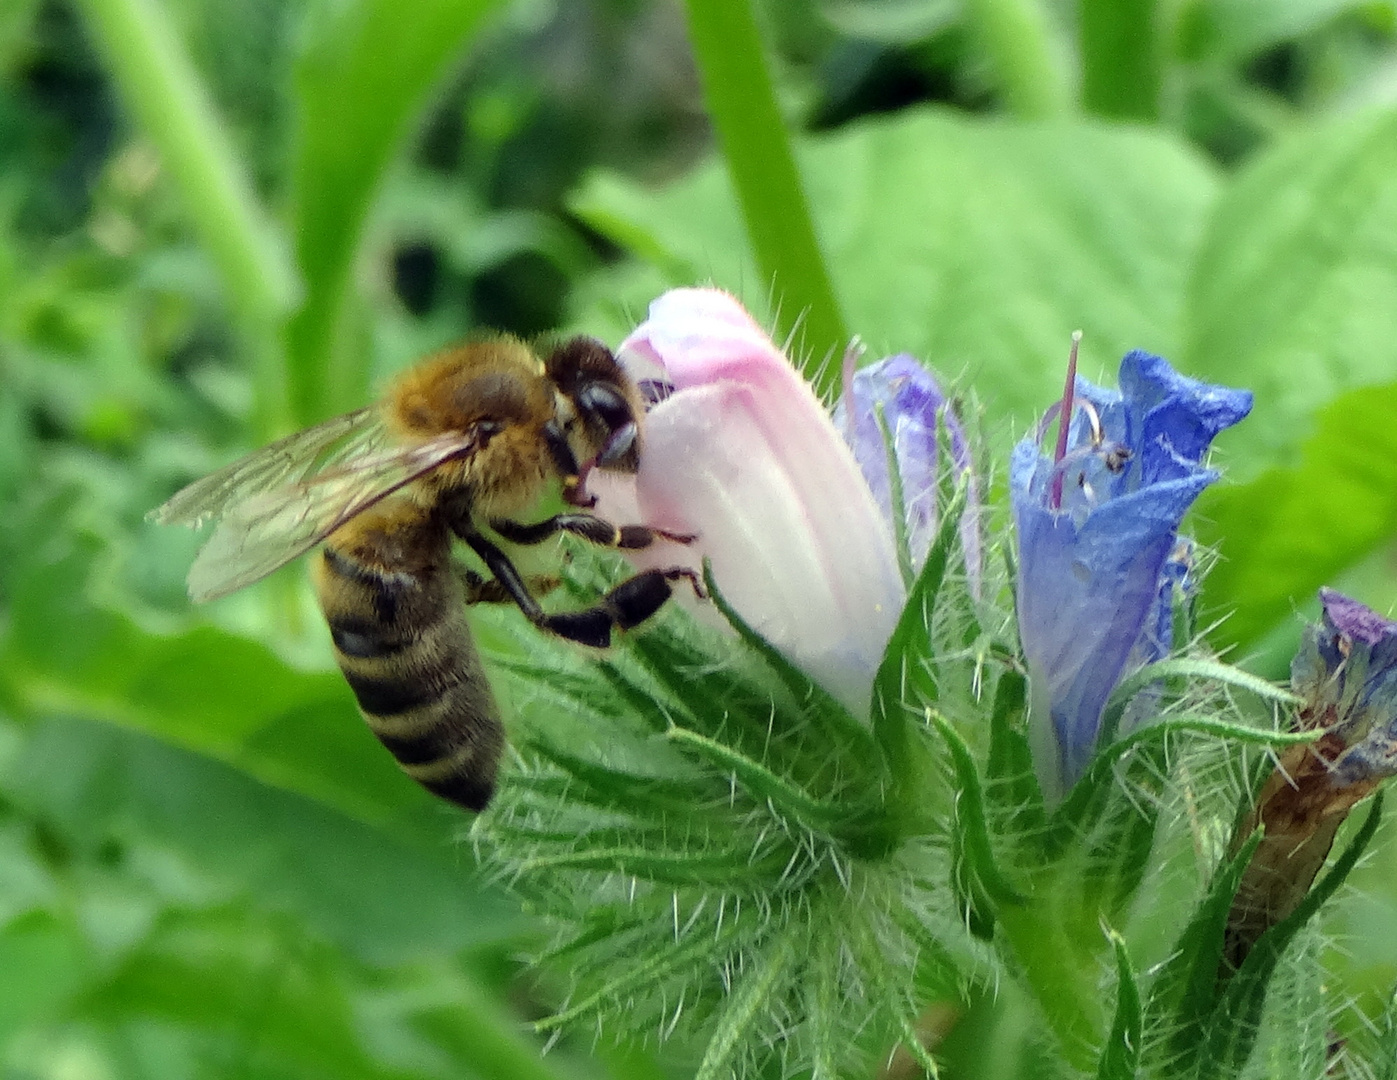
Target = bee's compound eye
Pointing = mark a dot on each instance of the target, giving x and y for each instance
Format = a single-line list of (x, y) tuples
[(599, 402)]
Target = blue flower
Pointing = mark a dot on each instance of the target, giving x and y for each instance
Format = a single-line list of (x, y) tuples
[(1099, 554), (910, 402), (1346, 674)]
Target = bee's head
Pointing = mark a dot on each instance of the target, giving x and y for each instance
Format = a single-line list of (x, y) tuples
[(603, 430)]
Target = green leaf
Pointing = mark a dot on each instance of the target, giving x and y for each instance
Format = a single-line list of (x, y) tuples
[(758, 990), (619, 789), (1299, 526), (206, 970), (44, 965), (823, 1005), (1183, 668), (161, 87), (1295, 296), (1030, 71), (733, 868), (1120, 1057), (1219, 31), (1386, 1041), (950, 237), (1087, 799), (1232, 1028), (644, 976), (1121, 841), (365, 74), (1122, 57), (482, 1034), (971, 826), (205, 690), (742, 104), (1011, 787), (284, 850), (765, 786)]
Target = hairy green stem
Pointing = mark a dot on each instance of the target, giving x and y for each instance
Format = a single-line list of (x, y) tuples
[(742, 104), (1064, 982), (1121, 63), (160, 86), (1017, 36)]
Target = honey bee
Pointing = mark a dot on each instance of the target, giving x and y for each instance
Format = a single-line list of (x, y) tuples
[(462, 445)]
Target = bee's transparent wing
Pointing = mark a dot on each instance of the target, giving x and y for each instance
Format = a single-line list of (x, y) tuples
[(279, 502), (287, 461)]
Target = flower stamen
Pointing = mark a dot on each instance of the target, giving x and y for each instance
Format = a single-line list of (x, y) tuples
[(1064, 421)]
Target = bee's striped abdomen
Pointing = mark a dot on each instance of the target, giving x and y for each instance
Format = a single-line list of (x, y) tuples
[(397, 618)]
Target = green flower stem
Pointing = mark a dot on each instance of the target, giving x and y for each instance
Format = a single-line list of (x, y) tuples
[(742, 104), (1121, 68), (164, 93), (1063, 977), (1018, 38)]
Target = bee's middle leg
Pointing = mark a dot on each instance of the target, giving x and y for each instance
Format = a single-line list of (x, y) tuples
[(588, 527), (479, 589)]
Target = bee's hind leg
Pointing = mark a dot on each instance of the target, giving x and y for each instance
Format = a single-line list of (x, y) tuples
[(628, 604)]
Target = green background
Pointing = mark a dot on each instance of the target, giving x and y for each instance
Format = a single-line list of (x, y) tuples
[(222, 219)]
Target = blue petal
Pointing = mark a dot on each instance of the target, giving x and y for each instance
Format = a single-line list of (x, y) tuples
[(1097, 572)]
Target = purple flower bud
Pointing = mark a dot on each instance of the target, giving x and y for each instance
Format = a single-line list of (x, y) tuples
[(738, 451), (1097, 539), (1346, 674), (911, 404)]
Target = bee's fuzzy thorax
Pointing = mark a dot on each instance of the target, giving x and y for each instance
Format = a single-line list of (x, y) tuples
[(496, 380)]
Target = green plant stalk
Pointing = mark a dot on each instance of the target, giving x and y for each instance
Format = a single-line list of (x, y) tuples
[(162, 89), (363, 76), (1018, 39), (742, 104), (1121, 68), (1064, 981)]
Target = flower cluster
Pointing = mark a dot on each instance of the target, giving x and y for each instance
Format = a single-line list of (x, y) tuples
[(768, 823)]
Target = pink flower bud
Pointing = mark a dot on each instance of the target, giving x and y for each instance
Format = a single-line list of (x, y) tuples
[(739, 451)]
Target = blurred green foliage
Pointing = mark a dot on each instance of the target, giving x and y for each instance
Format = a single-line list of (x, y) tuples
[(222, 218)]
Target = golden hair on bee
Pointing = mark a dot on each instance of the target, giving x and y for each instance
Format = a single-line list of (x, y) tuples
[(460, 447)]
